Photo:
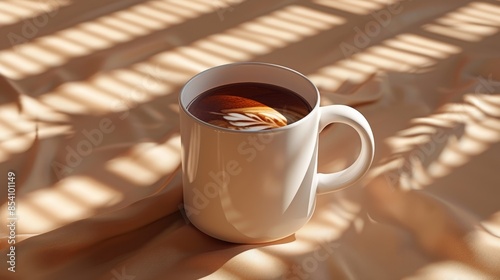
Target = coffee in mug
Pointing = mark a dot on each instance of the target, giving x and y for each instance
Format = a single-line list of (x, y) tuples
[(249, 106)]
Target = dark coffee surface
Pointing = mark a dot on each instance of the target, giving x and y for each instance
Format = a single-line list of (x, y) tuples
[(249, 106)]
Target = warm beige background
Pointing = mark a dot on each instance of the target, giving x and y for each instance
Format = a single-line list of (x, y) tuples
[(426, 75)]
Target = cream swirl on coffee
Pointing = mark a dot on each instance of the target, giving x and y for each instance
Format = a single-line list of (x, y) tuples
[(241, 113), (250, 118)]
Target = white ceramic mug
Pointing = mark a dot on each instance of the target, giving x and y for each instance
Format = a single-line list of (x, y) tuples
[(260, 186)]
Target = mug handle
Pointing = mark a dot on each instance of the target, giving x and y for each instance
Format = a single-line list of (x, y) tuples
[(344, 178)]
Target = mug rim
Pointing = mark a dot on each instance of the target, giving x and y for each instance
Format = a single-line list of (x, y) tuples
[(314, 107)]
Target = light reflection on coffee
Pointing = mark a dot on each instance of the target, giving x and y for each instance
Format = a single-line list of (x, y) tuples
[(249, 106)]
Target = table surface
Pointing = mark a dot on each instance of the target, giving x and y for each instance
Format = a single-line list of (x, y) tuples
[(89, 129)]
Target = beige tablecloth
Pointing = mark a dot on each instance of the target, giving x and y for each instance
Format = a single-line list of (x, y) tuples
[(89, 129)]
